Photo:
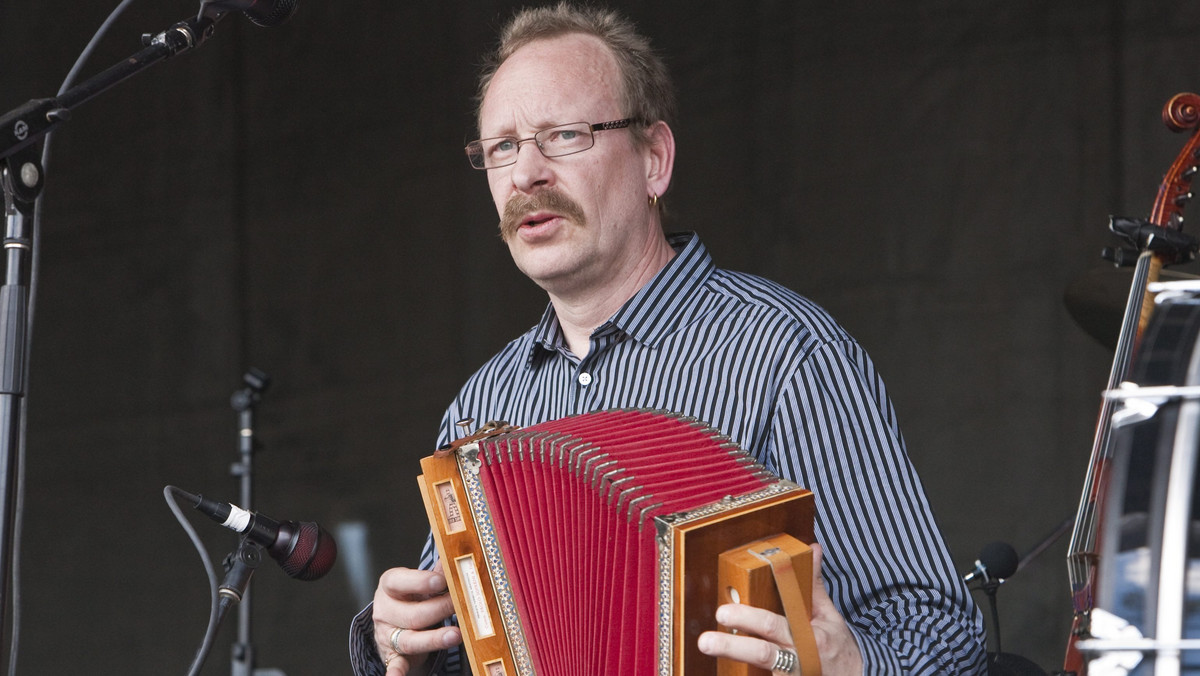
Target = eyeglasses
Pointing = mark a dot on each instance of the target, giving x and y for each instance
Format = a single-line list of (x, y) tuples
[(564, 139)]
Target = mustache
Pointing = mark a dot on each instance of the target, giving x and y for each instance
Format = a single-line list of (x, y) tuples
[(519, 206)]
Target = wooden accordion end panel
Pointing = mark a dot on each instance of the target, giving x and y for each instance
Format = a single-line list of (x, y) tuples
[(590, 544)]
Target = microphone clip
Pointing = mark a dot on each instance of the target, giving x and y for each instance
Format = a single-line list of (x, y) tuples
[(239, 566)]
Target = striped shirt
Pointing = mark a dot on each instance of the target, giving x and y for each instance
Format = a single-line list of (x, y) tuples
[(782, 379)]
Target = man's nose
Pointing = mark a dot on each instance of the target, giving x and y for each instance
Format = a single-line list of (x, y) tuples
[(532, 169)]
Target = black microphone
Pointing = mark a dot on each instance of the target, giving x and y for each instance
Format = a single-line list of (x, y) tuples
[(997, 561), (304, 550), (266, 13)]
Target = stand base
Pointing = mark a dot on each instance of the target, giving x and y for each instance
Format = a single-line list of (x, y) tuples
[(1008, 664)]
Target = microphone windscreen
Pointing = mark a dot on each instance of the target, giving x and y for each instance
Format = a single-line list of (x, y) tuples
[(1000, 559), (311, 555), (275, 12)]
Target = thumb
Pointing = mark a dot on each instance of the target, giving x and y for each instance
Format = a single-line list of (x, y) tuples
[(836, 645), (822, 603)]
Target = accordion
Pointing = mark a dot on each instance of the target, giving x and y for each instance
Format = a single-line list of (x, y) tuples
[(602, 543)]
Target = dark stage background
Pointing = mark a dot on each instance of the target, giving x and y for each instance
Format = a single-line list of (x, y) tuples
[(935, 173)]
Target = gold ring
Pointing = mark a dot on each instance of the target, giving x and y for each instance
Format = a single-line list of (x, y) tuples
[(388, 661)]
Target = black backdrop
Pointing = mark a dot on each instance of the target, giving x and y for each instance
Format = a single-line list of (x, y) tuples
[(935, 173)]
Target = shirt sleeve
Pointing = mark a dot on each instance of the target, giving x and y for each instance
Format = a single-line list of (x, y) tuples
[(364, 659), (886, 565)]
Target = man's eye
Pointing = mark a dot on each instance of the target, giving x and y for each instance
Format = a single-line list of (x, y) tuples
[(500, 148), (564, 136)]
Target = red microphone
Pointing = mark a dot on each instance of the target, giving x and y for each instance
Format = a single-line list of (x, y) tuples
[(266, 13), (304, 550)]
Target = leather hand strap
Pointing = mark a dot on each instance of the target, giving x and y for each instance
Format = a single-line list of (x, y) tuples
[(795, 608)]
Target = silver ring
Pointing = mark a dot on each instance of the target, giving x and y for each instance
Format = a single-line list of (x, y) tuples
[(785, 661), (395, 639)]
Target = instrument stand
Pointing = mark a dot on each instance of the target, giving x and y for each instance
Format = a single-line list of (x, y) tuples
[(245, 401)]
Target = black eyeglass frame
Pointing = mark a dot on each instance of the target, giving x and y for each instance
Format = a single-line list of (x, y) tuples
[(474, 149)]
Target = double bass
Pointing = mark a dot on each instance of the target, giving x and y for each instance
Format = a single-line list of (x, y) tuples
[(1157, 242)]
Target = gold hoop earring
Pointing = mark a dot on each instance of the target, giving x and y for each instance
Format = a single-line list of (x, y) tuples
[(653, 199)]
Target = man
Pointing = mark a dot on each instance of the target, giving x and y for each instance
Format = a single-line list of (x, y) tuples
[(577, 147)]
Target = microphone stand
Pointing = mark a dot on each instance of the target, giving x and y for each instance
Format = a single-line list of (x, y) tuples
[(1007, 664), (22, 179), (245, 401), (21, 176), (989, 586), (239, 565)]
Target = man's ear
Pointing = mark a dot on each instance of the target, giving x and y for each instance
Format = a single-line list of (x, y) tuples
[(660, 158)]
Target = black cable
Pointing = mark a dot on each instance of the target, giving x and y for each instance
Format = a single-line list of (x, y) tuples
[(210, 632)]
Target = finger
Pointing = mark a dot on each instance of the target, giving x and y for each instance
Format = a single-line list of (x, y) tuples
[(388, 613), (756, 622), (818, 564), (822, 603), (412, 616), (397, 665), (411, 584), (748, 649), (417, 642)]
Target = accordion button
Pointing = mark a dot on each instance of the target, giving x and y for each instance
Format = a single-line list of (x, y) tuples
[(585, 379)]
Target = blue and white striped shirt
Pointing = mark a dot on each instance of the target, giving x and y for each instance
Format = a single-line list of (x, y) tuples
[(780, 377)]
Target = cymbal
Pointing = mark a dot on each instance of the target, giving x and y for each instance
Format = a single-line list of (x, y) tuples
[(1096, 300)]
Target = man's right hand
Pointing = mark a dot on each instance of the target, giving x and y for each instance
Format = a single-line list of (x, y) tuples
[(407, 600)]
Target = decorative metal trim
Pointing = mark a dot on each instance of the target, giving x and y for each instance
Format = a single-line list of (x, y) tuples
[(495, 562)]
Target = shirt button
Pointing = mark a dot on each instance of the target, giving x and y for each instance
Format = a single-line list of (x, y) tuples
[(585, 379)]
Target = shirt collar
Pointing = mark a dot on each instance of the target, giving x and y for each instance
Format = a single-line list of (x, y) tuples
[(654, 311)]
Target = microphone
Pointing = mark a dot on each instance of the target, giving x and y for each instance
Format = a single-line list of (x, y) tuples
[(997, 561), (304, 550), (266, 13)]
